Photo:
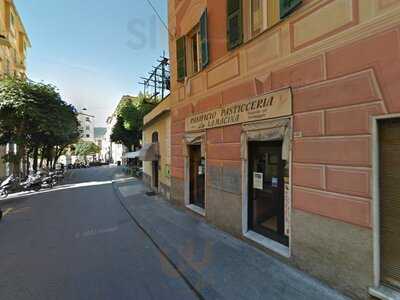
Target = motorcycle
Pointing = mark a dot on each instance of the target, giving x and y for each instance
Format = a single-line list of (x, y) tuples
[(59, 174), (48, 179), (34, 182), (8, 185)]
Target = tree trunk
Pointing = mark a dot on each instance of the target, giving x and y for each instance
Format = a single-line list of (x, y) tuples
[(42, 157), (58, 152), (28, 165), (35, 159), (20, 156)]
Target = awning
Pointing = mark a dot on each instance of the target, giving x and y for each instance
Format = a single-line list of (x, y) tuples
[(131, 154), (149, 152)]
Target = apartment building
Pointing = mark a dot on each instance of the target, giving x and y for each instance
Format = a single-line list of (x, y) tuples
[(285, 131), (14, 42), (86, 124), (111, 151)]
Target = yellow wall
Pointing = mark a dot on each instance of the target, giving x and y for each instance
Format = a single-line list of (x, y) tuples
[(159, 120), (13, 45), (14, 42)]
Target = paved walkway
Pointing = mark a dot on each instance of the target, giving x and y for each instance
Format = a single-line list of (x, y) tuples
[(217, 265), (77, 242)]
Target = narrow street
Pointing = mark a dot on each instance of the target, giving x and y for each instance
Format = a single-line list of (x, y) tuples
[(99, 236), (80, 243)]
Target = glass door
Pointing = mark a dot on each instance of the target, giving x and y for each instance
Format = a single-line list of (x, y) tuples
[(267, 173), (197, 177)]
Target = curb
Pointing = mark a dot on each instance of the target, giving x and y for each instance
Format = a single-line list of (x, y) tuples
[(207, 292)]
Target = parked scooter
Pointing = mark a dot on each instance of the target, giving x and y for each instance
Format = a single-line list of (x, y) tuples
[(9, 185), (34, 182), (59, 175), (48, 179)]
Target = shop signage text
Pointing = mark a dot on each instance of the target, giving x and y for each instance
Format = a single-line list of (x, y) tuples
[(272, 105)]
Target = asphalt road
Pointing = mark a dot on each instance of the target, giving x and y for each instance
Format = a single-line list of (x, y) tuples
[(79, 243)]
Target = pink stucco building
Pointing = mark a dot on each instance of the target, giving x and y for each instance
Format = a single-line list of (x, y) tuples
[(285, 131)]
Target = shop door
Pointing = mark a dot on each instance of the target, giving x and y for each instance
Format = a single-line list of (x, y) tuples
[(389, 141), (197, 176), (266, 190), (155, 174)]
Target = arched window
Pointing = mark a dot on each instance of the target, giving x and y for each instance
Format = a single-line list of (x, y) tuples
[(154, 137)]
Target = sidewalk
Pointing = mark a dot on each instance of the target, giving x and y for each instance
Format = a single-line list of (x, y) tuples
[(216, 264)]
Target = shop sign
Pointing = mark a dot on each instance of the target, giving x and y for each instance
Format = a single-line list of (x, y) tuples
[(268, 106)]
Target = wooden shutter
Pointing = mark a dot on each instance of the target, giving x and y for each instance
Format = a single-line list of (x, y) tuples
[(389, 147), (181, 58), (235, 26), (204, 39), (273, 12), (287, 6)]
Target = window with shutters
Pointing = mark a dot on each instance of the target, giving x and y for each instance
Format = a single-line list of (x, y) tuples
[(192, 50), (248, 18), (235, 20), (257, 16), (181, 58)]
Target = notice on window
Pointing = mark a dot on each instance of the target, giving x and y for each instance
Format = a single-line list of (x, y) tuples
[(258, 181), (275, 182)]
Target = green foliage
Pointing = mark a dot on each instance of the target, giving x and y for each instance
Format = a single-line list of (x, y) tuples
[(84, 148), (33, 116), (130, 114)]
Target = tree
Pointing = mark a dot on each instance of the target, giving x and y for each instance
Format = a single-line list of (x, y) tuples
[(85, 148), (19, 114), (35, 118), (129, 127), (121, 135)]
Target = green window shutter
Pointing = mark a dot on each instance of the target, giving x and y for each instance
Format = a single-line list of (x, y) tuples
[(204, 39), (235, 26), (287, 7), (181, 58)]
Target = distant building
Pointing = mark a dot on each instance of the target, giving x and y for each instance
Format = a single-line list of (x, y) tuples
[(86, 122), (99, 134), (14, 42), (110, 151)]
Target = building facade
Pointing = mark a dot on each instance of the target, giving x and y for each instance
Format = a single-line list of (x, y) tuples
[(86, 123), (285, 131), (113, 152), (156, 152), (14, 42)]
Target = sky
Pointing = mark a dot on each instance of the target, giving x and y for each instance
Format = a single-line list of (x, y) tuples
[(94, 51)]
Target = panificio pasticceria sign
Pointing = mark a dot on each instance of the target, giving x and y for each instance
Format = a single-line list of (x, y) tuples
[(268, 106)]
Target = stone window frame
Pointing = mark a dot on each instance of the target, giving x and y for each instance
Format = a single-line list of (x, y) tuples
[(195, 138), (266, 130)]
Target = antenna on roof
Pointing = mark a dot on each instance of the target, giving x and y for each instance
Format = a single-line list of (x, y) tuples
[(158, 82)]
